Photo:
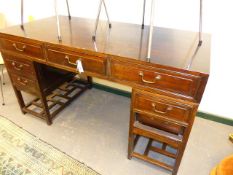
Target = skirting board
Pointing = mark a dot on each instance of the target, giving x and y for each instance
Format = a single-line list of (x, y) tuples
[(215, 118), (199, 113)]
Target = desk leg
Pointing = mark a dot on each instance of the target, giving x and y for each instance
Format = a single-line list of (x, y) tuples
[(131, 139), (46, 109), (90, 82), (180, 153), (20, 100), (130, 144), (181, 148), (42, 94)]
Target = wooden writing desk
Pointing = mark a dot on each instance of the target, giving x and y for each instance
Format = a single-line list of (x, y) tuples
[(165, 94)]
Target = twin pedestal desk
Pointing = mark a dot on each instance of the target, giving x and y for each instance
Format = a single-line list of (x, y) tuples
[(167, 89)]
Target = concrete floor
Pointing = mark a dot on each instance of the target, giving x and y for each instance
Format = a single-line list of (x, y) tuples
[(94, 130)]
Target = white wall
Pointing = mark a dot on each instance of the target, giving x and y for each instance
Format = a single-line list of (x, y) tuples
[(181, 14)]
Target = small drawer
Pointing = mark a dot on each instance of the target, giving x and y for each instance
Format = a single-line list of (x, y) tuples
[(162, 106), (152, 77), (90, 64), (24, 84), (159, 123), (20, 66), (26, 48)]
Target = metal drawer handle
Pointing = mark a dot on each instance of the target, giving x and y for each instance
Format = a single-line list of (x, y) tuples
[(158, 77), (19, 68), (23, 82), (18, 49), (68, 60), (169, 108)]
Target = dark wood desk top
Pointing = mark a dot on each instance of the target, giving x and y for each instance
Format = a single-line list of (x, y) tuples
[(173, 48)]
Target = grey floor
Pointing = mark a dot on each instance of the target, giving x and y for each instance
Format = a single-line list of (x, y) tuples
[(94, 130)]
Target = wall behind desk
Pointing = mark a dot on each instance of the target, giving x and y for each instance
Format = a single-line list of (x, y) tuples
[(180, 14)]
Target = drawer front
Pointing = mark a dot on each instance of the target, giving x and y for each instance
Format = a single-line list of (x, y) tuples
[(26, 48), (163, 107), (20, 66), (24, 84), (155, 78), (164, 125), (95, 65)]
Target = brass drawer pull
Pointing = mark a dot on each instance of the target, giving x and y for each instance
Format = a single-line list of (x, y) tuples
[(19, 68), (18, 49), (169, 108), (68, 60), (23, 82), (158, 77)]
